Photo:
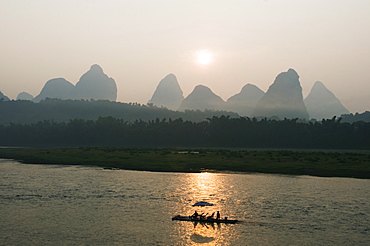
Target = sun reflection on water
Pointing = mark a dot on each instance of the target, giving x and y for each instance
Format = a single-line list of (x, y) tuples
[(205, 187), (212, 188)]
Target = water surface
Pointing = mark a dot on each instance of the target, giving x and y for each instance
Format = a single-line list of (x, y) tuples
[(81, 205)]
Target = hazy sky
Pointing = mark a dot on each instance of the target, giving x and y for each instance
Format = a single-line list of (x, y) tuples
[(138, 43)]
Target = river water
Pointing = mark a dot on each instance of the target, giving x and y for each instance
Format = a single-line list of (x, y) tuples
[(83, 205)]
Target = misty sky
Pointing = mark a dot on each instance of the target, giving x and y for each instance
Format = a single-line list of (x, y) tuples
[(138, 43)]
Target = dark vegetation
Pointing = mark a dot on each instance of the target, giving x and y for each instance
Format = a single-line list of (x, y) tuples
[(28, 112), (112, 126), (319, 163), (215, 132), (351, 118)]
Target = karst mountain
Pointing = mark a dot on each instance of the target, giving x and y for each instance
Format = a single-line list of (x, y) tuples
[(245, 101), (3, 97), (202, 98), (168, 93), (322, 103), (283, 99), (56, 88), (94, 84), (24, 96)]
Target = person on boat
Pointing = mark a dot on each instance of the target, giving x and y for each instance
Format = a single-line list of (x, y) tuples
[(195, 215), (211, 216), (218, 215), (203, 216)]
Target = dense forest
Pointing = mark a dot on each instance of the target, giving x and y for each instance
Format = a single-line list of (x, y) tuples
[(218, 131), (351, 118), (27, 112), (55, 122)]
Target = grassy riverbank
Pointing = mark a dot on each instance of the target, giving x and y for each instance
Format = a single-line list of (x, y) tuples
[(317, 163)]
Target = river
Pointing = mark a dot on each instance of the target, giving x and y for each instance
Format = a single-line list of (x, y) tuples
[(86, 205)]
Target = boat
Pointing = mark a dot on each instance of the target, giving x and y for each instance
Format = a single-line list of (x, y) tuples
[(204, 220), (202, 204)]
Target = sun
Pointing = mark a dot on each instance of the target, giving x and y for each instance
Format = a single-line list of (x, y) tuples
[(204, 57)]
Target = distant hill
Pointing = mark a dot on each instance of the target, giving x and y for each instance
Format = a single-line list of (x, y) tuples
[(24, 96), (245, 101), (168, 93), (323, 104), (94, 84), (350, 118), (28, 112), (3, 97), (283, 99), (56, 88), (202, 98)]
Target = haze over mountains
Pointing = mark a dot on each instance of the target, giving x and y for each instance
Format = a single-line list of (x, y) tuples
[(56, 88), (202, 98), (3, 97), (322, 103), (24, 96), (168, 93), (94, 84), (245, 101), (283, 99)]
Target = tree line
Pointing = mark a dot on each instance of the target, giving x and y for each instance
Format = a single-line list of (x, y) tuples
[(350, 118), (27, 112), (217, 131)]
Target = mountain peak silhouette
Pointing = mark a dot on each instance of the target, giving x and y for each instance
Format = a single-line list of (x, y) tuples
[(3, 97), (24, 96), (202, 98), (283, 99), (95, 84), (96, 68), (245, 101), (55, 88), (321, 103), (168, 93)]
